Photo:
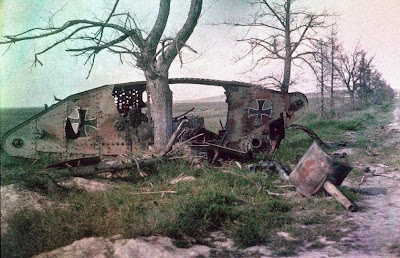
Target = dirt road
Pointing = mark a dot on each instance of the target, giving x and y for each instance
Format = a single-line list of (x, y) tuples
[(376, 231)]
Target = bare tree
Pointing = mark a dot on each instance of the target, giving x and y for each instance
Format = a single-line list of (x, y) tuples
[(349, 73), (361, 79), (288, 31), (120, 33), (320, 71), (332, 57), (365, 72), (320, 65)]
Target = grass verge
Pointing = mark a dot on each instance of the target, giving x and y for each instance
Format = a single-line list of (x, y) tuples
[(230, 200)]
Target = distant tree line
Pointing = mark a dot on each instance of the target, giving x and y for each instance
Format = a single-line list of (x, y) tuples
[(285, 33), (350, 70)]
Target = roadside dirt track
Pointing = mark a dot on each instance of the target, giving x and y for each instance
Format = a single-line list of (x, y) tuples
[(376, 231)]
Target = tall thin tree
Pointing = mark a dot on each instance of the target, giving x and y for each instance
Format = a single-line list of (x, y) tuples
[(333, 58), (349, 73)]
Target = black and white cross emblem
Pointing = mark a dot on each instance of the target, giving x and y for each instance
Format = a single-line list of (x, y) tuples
[(80, 124), (260, 111)]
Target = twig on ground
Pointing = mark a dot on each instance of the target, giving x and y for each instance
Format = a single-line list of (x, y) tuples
[(183, 157), (181, 178), (177, 146), (36, 160), (173, 138), (194, 137), (371, 153), (274, 194), (157, 192), (285, 186), (382, 175), (237, 163), (141, 173), (280, 169), (361, 182), (232, 173)]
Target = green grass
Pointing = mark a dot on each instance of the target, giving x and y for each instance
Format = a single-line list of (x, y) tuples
[(230, 200), (214, 201), (296, 142), (234, 203)]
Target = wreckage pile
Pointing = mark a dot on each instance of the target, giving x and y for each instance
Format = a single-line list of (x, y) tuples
[(107, 130), (315, 172)]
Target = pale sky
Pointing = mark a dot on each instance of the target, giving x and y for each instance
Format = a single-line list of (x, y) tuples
[(375, 23)]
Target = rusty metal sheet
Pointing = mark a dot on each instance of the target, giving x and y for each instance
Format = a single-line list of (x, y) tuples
[(91, 123), (315, 168), (113, 128), (101, 127), (252, 110)]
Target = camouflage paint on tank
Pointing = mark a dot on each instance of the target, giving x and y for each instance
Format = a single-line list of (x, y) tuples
[(103, 121)]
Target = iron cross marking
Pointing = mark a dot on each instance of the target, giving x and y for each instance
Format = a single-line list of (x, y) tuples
[(83, 123), (260, 111)]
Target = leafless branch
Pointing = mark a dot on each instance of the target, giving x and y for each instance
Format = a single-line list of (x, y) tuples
[(158, 29), (289, 30), (67, 25), (185, 32)]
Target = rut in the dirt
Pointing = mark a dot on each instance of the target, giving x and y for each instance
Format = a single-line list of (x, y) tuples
[(376, 231), (379, 221)]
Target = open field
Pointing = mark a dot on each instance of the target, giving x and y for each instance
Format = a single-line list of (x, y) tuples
[(212, 112), (10, 117), (230, 200)]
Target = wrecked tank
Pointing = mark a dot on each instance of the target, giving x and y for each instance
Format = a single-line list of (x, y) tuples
[(111, 120)]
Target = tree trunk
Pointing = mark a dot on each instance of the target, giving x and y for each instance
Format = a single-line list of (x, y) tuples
[(288, 52), (161, 109), (332, 76), (156, 68), (352, 103), (322, 80), (286, 74), (322, 94)]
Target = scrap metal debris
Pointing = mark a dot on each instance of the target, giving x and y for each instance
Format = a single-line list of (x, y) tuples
[(317, 170), (88, 131)]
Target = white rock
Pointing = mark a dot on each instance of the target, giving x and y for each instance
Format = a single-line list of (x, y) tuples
[(123, 248)]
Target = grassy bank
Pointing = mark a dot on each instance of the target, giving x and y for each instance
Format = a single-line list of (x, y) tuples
[(232, 200)]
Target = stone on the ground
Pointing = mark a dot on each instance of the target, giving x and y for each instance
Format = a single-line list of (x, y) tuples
[(89, 185), (153, 246)]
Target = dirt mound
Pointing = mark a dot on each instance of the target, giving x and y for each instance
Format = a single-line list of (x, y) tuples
[(118, 247), (153, 246), (14, 199)]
